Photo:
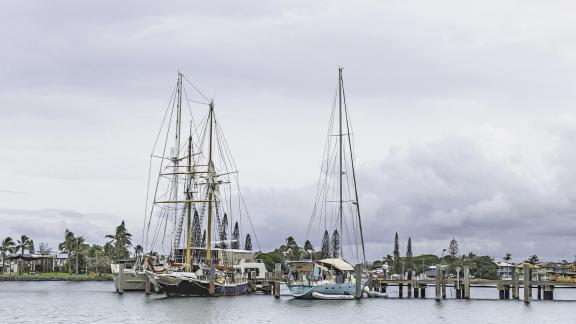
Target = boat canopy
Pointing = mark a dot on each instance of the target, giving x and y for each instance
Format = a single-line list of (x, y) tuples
[(337, 264)]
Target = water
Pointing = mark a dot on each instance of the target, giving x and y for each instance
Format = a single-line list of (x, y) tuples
[(96, 302)]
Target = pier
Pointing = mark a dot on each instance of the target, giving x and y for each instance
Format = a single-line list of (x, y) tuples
[(506, 289)]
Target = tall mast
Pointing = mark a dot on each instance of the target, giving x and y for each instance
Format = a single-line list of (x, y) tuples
[(189, 206), (354, 174), (175, 159), (340, 137), (210, 185)]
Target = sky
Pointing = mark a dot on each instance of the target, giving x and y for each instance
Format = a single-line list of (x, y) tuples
[(463, 114)]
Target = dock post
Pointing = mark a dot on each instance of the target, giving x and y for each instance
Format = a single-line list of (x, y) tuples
[(211, 279), (121, 278), (146, 285), (400, 290), (358, 277), (548, 292), (443, 272), (423, 291), (416, 289), (438, 283), (515, 284), (466, 282), (527, 287), (539, 294), (277, 276), (409, 285), (457, 285)]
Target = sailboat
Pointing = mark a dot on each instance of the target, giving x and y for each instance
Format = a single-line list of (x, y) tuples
[(194, 189), (336, 206)]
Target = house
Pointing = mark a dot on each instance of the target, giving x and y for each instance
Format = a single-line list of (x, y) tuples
[(504, 270), (28, 263), (59, 260)]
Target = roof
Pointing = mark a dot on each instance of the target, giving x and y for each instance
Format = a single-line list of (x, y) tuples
[(338, 264)]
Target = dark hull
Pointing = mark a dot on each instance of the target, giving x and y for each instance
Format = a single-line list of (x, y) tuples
[(200, 288)]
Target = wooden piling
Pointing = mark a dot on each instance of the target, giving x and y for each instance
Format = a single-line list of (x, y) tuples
[(515, 284), (548, 292), (277, 277), (415, 291), (358, 278), (400, 290), (146, 285), (539, 292), (457, 284), (443, 282), (121, 278), (409, 286), (527, 287), (211, 279), (466, 282), (438, 283)]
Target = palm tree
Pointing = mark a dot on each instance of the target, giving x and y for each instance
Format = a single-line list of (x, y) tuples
[(68, 247), (6, 247), (138, 249), (23, 244), (533, 259), (121, 240), (79, 247)]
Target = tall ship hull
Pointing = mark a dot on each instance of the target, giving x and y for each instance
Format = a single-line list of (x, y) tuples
[(185, 284)]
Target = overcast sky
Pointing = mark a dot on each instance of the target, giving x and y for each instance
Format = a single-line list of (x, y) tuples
[(464, 114)]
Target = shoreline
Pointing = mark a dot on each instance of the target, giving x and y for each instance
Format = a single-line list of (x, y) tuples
[(5, 278)]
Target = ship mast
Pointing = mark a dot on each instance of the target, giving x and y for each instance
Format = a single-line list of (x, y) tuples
[(175, 160), (210, 186), (356, 202), (189, 206), (340, 210)]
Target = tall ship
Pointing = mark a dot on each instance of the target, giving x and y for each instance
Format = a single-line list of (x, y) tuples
[(330, 274), (195, 209)]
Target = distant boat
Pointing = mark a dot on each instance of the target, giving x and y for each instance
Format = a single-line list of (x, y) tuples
[(193, 193), (333, 277)]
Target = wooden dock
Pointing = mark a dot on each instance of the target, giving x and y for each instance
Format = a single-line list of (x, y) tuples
[(417, 287)]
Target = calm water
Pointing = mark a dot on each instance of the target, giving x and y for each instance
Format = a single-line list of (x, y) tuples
[(96, 302)]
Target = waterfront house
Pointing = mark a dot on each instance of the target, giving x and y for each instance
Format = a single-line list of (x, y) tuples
[(504, 270), (28, 263)]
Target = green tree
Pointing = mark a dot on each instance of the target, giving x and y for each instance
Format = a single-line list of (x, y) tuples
[(67, 246), (397, 261), (308, 246), (325, 251), (23, 244), (235, 244), (248, 243), (121, 240), (335, 245), (79, 249), (224, 232), (533, 259), (138, 250), (7, 247), (409, 265), (453, 248)]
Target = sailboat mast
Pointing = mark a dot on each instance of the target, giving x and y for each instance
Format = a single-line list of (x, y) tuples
[(189, 206), (340, 210), (210, 185), (354, 175), (176, 161)]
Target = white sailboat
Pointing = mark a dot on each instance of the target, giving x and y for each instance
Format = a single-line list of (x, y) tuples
[(337, 206)]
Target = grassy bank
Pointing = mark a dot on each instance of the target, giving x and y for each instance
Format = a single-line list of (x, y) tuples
[(54, 276)]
